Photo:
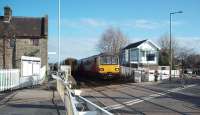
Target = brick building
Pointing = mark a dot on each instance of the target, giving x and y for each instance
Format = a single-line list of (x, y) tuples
[(22, 36)]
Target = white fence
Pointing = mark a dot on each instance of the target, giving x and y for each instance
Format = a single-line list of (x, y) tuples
[(146, 75), (11, 79), (126, 71), (163, 74)]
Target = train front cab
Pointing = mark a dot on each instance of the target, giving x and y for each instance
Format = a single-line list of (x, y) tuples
[(108, 66)]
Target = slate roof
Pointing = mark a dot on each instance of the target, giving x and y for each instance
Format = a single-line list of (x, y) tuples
[(133, 45), (27, 26)]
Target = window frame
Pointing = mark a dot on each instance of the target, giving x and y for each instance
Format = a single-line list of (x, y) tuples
[(35, 41)]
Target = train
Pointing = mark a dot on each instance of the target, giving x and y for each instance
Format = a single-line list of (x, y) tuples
[(104, 65), (73, 63)]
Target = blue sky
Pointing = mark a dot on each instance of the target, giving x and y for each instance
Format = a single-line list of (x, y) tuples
[(84, 21)]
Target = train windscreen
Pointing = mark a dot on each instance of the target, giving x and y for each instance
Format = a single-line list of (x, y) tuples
[(108, 60)]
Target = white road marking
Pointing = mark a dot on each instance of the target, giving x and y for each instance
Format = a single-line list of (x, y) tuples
[(135, 101)]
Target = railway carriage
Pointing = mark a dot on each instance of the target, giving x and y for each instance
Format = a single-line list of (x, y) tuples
[(104, 65), (73, 63)]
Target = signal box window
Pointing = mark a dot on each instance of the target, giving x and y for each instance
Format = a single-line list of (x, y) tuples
[(150, 57)]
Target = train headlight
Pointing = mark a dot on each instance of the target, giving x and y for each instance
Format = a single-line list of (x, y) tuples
[(116, 69), (101, 69)]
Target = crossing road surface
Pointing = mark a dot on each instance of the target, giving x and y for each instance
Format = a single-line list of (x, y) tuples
[(148, 98), (32, 101)]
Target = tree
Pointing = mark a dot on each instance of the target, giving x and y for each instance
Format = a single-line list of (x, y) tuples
[(192, 61), (164, 43), (7, 36), (181, 55), (112, 41), (164, 57)]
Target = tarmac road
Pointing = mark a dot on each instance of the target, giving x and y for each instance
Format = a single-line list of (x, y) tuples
[(162, 98)]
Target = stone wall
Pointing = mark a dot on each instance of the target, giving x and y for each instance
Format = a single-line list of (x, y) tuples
[(25, 47), (44, 51)]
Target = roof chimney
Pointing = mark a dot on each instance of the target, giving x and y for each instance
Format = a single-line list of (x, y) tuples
[(45, 25), (7, 13)]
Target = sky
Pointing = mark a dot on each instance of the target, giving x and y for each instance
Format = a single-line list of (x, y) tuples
[(84, 21)]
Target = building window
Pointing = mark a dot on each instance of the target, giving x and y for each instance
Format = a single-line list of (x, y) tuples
[(163, 68), (151, 57), (134, 55), (12, 43), (35, 42), (143, 53)]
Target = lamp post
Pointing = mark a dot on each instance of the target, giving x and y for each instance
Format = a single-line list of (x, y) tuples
[(171, 58), (59, 35)]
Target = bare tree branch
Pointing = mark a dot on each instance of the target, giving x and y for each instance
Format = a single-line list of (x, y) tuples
[(112, 41)]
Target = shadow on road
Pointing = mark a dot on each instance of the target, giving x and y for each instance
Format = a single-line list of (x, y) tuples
[(10, 95), (40, 106)]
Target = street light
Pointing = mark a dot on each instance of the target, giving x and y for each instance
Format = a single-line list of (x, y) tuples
[(171, 13)]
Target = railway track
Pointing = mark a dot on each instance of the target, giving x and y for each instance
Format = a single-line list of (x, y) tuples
[(92, 82), (98, 86), (95, 100)]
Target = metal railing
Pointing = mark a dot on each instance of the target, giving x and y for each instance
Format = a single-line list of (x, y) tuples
[(77, 105), (74, 104)]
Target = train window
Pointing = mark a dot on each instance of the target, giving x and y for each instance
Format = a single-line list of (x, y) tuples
[(109, 60), (88, 62), (105, 60), (114, 60)]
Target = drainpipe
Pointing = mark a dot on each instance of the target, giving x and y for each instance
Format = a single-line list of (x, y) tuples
[(4, 53), (14, 53)]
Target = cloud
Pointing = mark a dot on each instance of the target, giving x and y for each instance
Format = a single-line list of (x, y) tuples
[(93, 22), (137, 24), (174, 23), (190, 43), (150, 25), (74, 47), (80, 47), (145, 24), (84, 22)]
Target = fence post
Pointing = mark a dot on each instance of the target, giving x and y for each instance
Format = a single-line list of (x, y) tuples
[(10, 81), (19, 79), (6, 78), (0, 81), (3, 83)]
